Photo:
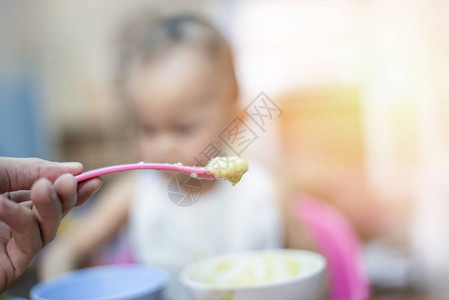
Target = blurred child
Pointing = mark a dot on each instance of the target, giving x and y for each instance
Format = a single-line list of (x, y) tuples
[(180, 82)]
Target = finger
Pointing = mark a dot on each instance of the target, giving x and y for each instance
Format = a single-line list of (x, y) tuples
[(88, 188), (66, 188), (47, 208), (18, 196), (5, 231), (23, 224), (19, 226), (21, 173), (28, 204)]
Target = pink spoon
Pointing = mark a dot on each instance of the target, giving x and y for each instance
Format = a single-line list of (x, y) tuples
[(200, 172)]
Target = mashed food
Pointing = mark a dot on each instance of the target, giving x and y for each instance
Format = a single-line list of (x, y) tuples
[(247, 270), (231, 168)]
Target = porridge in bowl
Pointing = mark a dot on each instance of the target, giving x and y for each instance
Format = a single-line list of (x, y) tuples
[(263, 275), (247, 270)]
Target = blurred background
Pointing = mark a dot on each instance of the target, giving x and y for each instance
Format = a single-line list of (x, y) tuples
[(363, 86)]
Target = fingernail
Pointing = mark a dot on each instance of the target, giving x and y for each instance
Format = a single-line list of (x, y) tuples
[(74, 195), (54, 196), (71, 165), (96, 190)]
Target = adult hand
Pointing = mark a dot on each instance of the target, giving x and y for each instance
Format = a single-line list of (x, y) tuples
[(34, 196)]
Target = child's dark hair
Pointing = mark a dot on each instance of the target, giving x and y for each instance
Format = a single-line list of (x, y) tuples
[(148, 38)]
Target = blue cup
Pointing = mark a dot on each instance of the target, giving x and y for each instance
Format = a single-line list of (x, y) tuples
[(112, 282)]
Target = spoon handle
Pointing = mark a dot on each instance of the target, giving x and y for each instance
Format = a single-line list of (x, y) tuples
[(200, 172)]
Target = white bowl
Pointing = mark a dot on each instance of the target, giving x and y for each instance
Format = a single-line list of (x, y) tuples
[(257, 275)]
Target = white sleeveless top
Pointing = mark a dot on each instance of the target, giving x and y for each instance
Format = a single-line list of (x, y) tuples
[(225, 219)]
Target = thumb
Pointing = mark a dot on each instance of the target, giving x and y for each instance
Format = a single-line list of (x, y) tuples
[(21, 173)]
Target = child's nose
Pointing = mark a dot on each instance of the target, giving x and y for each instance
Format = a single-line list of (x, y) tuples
[(167, 144)]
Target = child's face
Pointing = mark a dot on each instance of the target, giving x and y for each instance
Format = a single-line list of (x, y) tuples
[(182, 102)]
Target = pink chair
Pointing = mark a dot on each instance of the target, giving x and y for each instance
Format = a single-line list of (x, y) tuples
[(338, 242)]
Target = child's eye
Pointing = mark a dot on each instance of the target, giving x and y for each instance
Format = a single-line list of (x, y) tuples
[(184, 129), (147, 129)]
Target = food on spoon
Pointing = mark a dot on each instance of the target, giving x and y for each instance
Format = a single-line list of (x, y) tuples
[(231, 168)]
